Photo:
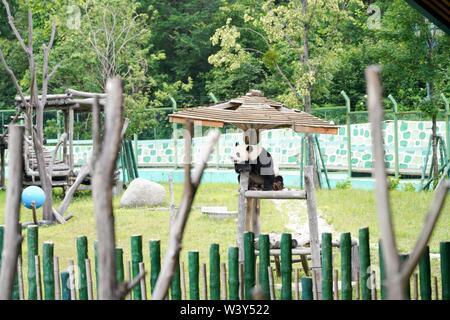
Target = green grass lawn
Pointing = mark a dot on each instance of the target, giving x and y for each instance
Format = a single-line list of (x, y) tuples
[(349, 210)]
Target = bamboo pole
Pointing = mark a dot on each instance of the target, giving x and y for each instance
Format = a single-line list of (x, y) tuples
[(49, 280), (271, 283), (56, 277), (436, 288), (20, 279), (249, 264), (89, 283), (223, 281), (307, 288), (425, 275), (336, 285), (33, 250), (346, 266), (297, 284), (183, 282), (82, 255), (241, 281), (130, 277), (233, 269), (65, 281), (214, 272), (136, 258), (142, 281), (155, 262), (444, 249), (416, 286), (264, 262), (175, 288), (120, 272), (204, 282), (327, 267), (364, 260), (73, 294), (286, 266), (193, 258), (37, 264)]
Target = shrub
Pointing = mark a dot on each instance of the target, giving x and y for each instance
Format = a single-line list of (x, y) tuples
[(344, 185)]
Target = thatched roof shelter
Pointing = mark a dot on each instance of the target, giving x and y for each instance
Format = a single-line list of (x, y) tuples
[(254, 111)]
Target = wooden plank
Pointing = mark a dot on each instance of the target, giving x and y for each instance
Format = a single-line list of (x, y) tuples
[(313, 227), (290, 194), (314, 129), (205, 123), (242, 209)]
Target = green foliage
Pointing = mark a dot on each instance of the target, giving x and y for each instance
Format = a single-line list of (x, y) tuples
[(409, 187), (344, 185), (393, 183)]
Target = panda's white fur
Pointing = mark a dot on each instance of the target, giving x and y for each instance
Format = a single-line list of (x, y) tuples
[(245, 152)]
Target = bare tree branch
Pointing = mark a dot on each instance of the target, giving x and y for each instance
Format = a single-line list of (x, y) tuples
[(103, 181), (12, 235), (376, 114), (191, 184)]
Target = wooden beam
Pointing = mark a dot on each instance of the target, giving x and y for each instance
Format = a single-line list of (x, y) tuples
[(321, 130), (205, 123), (290, 194)]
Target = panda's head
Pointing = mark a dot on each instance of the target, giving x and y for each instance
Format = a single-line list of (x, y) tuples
[(240, 153)]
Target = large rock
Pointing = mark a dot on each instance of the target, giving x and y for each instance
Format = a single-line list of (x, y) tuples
[(143, 193)]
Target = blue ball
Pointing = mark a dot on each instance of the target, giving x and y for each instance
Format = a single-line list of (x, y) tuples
[(33, 193)]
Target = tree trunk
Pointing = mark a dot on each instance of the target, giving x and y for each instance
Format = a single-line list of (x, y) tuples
[(307, 98)]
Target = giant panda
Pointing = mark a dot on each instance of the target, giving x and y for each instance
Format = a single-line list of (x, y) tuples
[(264, 173)]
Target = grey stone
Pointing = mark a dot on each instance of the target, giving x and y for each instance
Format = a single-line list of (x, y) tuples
[(143, 193)]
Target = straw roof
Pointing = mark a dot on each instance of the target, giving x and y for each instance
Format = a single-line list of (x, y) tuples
[(254, 111)]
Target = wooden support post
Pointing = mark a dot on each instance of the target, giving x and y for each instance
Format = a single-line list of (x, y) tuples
[(175, 288), (313, 226), (425, 275), (37, 266), (56, 277), (49, 280), (346, 266), (70, 134), (364, 260), (335, 284), (90, 289), (193, 259), (271, 283), (223, 281), (373, 285), (136, 258), (214, 272), (204, 282), (307, 288), (155, 262), (33, 250), (142, 281), (286, 266), (242, 212), (183, 282), (82, 255), (20, 279), (129, 278), (233, 269), (327, 267), (297, 284), (435, 288), (33, 212), (444, 248), (249, 264), (264, 262)]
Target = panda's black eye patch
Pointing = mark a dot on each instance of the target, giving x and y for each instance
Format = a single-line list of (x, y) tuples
[(238, 154)]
